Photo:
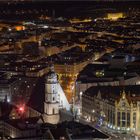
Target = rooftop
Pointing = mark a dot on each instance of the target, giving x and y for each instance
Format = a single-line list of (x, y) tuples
[(100, 72), (74, 55), (81, 131), (113, 93)]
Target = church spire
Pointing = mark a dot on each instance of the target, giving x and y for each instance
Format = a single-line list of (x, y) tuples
[(123, 94)]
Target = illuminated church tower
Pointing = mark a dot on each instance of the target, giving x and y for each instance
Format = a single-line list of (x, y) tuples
[(55, 98), (51, 104)]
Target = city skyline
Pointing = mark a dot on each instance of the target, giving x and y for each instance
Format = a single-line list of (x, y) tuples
[(70, 70)]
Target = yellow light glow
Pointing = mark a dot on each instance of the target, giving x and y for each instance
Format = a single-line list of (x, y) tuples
[(76, 20), (19, 28), (115, 16)]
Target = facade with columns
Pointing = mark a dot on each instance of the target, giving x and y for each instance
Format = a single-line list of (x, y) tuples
[(119, 110)]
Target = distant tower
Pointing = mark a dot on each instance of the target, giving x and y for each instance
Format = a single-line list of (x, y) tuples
[(51, 104)]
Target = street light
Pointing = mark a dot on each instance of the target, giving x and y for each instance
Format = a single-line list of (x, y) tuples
[(93, 117)]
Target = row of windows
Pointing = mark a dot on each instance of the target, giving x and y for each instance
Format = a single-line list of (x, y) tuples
[(123, 119)]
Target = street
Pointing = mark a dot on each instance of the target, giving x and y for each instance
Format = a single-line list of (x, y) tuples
[(111, 133)]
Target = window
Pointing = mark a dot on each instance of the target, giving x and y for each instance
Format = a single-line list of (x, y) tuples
[(123, 116), (123, 104), (113, 118), (108, 114), (123, 119), (134, 120), (128, 119), (118, 119), (134, 116), (53, 111)]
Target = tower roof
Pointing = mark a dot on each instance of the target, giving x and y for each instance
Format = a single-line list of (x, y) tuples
[(51, 74)]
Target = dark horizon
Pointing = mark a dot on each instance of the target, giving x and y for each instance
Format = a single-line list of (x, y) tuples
[(66, 8)]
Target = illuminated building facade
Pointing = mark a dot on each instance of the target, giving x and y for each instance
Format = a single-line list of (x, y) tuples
[(54, 98), (114, 107), (51, 104), (115, 16), (67, 76), (76, 20)]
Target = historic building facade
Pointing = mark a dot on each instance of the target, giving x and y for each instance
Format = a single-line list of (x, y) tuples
[(51, 104), (55, 98), (117, 108)]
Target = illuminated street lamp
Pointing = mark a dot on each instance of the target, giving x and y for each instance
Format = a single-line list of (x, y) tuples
[(93, 116), (9, 29)]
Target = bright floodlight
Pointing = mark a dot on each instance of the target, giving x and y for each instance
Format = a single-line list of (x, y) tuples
[(21, 109), (46, 26)]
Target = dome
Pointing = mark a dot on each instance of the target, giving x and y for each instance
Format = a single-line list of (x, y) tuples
[(51, 75)]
